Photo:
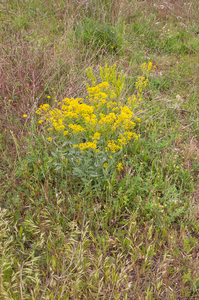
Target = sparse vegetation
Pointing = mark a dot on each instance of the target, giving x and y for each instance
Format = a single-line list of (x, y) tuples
[(99, 188)]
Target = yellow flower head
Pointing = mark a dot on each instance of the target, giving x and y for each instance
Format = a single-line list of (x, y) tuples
[(119, 167)]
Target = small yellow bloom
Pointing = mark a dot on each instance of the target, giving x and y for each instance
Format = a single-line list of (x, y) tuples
[(48, 97), (119, 167), (25, 116), (96, 136), (9, 100), (50, 139)]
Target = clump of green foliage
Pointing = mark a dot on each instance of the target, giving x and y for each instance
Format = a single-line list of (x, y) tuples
[(102, 36)]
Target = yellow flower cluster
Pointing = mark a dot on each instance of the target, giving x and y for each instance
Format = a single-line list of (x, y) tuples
[(147, 68), (102, 122), (75, 128), (99, 94), (88, 145), (142, 80), (141, 83), (119, 167), (96, 136), (111, 145)]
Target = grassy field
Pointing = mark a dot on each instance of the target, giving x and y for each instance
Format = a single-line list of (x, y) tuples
[(107, 209)]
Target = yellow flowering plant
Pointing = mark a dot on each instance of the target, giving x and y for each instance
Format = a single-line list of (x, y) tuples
[(93, 132)]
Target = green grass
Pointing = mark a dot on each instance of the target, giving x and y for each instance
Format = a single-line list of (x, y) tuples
[(136, 236)]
